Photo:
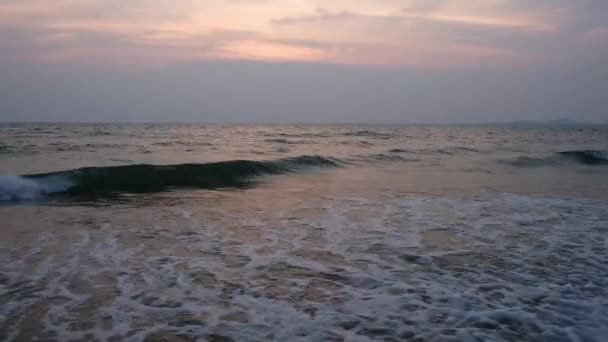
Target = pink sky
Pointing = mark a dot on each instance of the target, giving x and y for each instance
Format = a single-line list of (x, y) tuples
[(418, 33), (303, 60)]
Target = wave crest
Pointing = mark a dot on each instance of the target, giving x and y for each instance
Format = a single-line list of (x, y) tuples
[(152, 178), (19, 188), (585, 157)]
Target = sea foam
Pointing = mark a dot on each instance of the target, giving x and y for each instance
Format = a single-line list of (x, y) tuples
[(20, 188)]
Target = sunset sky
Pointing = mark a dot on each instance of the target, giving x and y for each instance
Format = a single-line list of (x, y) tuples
[(507, 44)]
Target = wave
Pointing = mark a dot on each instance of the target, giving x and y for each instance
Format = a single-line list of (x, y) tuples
[(5, 148), (142, 178), (65, 147), (585, 157), (452, 150), (20, 188), (397, 150), (101, 133), (389, 157), (298, 135), (456, 150), (369, 134), (530, 162), (359, 143), (589, 157), (181, 143), (280, 141)]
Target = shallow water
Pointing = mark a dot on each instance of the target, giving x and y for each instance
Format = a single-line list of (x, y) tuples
[(423, 233)]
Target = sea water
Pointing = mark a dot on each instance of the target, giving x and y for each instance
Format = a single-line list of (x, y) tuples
[(191, 232)]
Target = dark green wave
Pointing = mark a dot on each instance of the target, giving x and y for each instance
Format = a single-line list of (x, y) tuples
[(152, 178)]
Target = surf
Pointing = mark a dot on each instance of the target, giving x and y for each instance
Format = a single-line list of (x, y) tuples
[(142, 178)]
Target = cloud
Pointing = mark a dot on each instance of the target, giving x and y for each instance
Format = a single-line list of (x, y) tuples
[(321, 15), (416, 33)]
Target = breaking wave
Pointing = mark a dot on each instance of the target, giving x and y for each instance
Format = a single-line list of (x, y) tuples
[(589, 157), (152, 178), (586, 157), (19, 188)]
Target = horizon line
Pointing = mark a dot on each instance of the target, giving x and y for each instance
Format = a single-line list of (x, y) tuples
[(558, 122)]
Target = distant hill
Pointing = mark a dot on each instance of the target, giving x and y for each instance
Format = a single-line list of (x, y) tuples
[(556, 122)]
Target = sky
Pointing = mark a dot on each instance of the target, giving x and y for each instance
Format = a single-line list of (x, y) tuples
[(402, 61)]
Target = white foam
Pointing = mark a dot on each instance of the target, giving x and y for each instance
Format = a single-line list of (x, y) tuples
[(527, 268), (20, 188)]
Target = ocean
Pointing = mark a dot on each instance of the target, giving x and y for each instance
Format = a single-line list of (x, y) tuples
[(191, 232)]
